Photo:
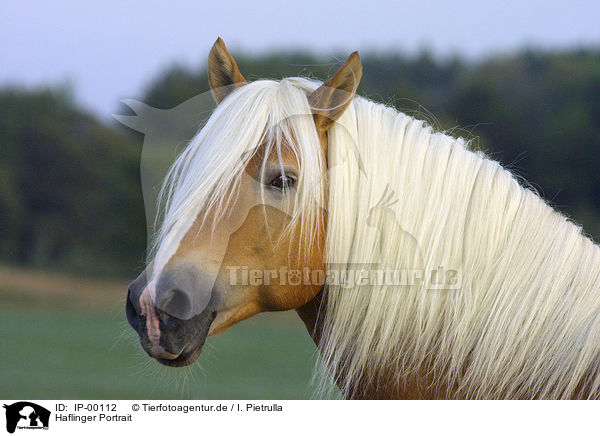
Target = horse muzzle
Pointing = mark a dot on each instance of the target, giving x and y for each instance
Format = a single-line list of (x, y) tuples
[(171, 321)]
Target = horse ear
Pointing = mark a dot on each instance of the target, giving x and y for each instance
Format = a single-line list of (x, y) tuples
[(330, 100), (223, 73)]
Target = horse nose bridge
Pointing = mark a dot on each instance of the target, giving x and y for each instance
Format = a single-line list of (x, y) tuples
[(180, 292)]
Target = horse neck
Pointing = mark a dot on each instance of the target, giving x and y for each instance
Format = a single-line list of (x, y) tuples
[(309, 314)]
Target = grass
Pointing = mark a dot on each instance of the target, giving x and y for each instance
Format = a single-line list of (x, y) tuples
[(58, 349)]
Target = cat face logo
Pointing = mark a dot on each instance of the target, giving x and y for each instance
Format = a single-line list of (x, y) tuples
[(26, 415)]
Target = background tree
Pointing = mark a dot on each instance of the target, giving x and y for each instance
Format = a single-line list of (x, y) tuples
[(70, 195)]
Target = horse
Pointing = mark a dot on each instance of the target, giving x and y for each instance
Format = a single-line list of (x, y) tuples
[(421, 268)]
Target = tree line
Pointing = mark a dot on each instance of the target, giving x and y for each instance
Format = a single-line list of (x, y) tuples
[(70, 193)]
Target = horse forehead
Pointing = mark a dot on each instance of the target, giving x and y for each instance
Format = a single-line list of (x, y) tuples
[(282, 151), (284, 155)]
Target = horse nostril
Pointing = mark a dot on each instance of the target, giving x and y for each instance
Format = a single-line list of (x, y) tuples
[(175, 303)]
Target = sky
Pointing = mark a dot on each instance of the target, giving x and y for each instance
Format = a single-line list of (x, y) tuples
[(112, 49)]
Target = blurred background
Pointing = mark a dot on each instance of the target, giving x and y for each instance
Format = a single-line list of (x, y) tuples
[(521, 80)]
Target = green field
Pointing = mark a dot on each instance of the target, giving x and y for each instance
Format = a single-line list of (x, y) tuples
[(57, 351)]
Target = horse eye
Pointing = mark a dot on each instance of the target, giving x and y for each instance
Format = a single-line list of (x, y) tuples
[(282, 182)]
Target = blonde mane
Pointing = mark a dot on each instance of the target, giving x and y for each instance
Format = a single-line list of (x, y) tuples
[(525, 318)]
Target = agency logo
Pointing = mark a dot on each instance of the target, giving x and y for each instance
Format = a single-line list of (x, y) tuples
[(26, 415)]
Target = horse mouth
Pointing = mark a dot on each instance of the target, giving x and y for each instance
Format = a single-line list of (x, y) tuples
[(188, 356), (197, 330), (193, 349)]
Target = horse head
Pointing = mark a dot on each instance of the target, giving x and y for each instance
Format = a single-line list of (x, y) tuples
[(243, 211)]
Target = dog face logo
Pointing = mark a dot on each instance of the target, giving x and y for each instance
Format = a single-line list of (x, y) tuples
[(26, 415)]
